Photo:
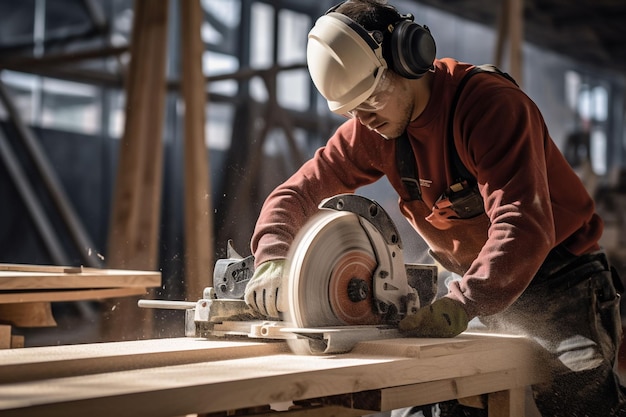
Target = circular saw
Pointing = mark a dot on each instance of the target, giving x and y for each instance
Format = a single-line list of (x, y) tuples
[(345, 282), (346, 278)]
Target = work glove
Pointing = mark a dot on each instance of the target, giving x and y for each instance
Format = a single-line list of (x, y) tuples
[(443, 318), (262, 293)]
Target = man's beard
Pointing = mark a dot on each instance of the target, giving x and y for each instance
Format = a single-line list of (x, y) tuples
[(401, 126)]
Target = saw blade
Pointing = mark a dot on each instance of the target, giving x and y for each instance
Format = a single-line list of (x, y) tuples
[(331, 266)]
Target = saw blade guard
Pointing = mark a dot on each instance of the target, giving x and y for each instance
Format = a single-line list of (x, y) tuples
[(346, 268)]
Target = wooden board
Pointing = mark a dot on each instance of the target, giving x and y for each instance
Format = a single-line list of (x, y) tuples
[(184, 376), (71, 295), (36, 363), (26, 291), (33, 277)]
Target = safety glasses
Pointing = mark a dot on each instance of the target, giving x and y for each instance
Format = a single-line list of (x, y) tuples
[(379, 97)]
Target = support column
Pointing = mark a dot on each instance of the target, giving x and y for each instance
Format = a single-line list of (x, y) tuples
[(199, 258), (134, 227)]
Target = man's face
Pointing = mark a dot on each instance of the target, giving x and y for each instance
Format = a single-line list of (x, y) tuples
[(389, 110)]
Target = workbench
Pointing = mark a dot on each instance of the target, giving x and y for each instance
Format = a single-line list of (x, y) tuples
[(182, 376)]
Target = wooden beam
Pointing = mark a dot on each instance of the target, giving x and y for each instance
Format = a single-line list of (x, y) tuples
[(135, 215), (133, 233), (199, 249), (511, 29), (64, 58), (516, 20), (32, 284), (35, 314), (502, 33), (69, 295), (82, 279)]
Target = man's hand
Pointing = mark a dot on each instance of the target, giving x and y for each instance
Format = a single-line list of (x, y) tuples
[(443, 318), (263, 290)]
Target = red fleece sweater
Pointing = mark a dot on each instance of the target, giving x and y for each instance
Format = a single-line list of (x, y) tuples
[(533, 199)]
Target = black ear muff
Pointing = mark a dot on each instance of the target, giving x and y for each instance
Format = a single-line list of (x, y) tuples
[(412, 48)]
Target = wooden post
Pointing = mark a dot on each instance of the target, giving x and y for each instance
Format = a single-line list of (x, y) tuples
[(198, 217), (516, 19), (502, 33), (5, 336), (134, 228), (511, 27), (510, 403)]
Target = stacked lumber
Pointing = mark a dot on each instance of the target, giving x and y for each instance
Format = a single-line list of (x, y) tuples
[(26, 292)]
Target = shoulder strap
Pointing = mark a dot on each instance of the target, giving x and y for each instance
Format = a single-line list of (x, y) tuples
[(460, 172), (405, 158)]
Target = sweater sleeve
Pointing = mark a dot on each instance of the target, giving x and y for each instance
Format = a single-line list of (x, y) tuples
[(352, 158), (503, 138)]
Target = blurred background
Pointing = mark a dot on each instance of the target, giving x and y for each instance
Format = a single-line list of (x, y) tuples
[(116, 153)]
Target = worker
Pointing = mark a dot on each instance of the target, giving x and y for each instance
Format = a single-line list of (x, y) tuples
[(492, 196)]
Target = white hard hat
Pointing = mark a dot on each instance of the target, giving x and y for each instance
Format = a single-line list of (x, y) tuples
[(345, 61)]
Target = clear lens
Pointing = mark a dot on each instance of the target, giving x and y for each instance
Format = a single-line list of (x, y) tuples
[(379, 97)]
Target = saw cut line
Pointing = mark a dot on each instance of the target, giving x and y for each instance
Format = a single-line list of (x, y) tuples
[(318, 252)]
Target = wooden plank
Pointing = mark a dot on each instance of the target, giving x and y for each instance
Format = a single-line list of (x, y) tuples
[(214, 384), (436, 391), (53, 269), (198, 214), (86, 359), (75, 295), (198, 387), (37, 314), (88, 278), (428, 348)]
